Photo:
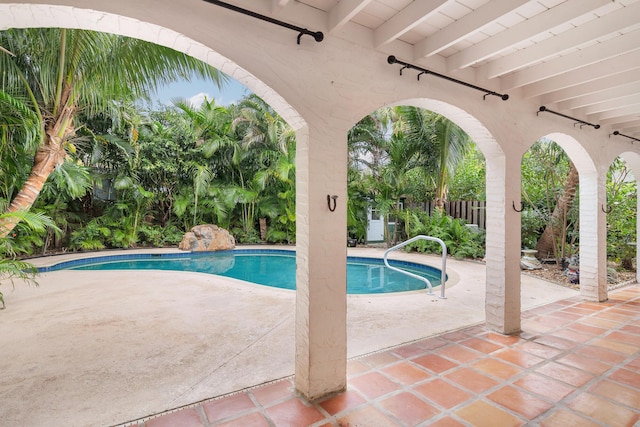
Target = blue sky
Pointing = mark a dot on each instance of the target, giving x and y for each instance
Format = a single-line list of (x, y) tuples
[(196, 89)]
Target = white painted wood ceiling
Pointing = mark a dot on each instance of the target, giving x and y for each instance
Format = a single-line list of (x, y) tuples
[(577, 57)]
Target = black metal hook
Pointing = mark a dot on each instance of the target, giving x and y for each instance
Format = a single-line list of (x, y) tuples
[(503, 96), (514, 206), (608, 210), (317, 35), (329, 199)]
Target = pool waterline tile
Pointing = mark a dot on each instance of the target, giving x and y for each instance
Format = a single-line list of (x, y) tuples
[(361, 281)]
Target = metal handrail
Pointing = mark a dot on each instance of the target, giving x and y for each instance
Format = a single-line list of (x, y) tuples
[(443, 270)]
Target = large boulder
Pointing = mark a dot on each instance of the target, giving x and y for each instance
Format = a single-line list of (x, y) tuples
[(207, 237)]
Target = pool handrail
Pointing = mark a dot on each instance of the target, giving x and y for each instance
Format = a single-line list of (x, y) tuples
[(443, 269)]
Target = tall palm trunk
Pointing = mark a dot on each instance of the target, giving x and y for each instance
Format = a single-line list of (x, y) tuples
[(441, 184), (441, 198), (49, 155), (548, 243), (57, 128)]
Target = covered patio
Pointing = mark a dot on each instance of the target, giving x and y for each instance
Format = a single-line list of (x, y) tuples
[(459, 58), (576, 363)]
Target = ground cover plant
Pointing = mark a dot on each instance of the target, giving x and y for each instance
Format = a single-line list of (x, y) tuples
[(12, 268)]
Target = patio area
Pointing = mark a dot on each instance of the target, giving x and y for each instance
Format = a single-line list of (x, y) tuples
[(575, 364), (139, 348)]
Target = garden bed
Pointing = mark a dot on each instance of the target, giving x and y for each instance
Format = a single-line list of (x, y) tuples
[(552, 273)]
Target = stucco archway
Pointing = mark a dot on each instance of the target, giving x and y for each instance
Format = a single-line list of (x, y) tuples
[(330, 85), (502, 308), (592, 222), (87, 19), (312, 384)]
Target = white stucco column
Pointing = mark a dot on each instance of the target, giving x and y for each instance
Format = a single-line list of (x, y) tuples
[(321, 311), (633, 162), (502, 306), (593, 236), (637, 231)]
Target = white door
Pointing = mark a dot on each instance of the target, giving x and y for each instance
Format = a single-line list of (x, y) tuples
[(375, 228)]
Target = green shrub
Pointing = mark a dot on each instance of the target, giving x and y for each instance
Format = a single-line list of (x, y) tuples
[(461, 241), (532, 225), (93, 236), (247, 237)]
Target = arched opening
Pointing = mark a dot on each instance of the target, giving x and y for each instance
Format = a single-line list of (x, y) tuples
[(502, 311), (560, 187), (401, 160), (549, 215), (33, 16), (99, 21), (408, 164)]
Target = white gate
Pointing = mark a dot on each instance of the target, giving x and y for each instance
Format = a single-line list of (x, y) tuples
[(375, 226)]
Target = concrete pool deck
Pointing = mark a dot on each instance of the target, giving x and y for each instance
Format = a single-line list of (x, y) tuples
[(89, 348)]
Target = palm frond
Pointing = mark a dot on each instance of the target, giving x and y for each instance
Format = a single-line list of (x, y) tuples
[(19, 124), (12, 269), (36, 221)]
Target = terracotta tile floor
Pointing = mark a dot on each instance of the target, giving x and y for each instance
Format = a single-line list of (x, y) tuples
[(575, 364)]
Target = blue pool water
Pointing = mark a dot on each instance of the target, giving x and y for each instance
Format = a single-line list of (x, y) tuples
[(276, 268)]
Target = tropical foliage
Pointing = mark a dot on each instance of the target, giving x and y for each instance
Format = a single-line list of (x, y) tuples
[(193, 165), (51, 76), (12, 268), (545, 168), (461, 241), (78, 146), (402, 153), (622, 199)]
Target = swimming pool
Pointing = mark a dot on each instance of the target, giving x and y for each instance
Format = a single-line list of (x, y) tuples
[(271, 267)]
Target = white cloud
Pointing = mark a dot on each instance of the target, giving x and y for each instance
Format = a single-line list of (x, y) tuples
[(197, 100)]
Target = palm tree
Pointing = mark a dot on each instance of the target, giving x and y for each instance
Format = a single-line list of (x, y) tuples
[(202, 177), (367, 141), (219, 156), (442, 145), (268, 144), (211, 124), (58, 73), (550, 181), (452, 144), (555, 230), (258, 124), (11, 269)]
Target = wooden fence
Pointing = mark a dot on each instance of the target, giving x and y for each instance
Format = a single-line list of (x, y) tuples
[(472, 211)]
